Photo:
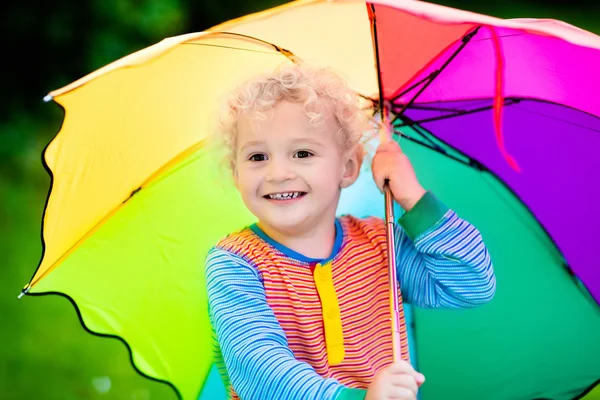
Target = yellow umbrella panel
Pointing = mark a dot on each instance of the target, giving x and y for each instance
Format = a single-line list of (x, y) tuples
[(139, 196)]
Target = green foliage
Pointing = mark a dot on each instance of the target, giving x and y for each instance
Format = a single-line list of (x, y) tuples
[(46, 354), (121, 27)]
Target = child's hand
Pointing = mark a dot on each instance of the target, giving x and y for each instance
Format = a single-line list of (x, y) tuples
[(398, 381), (391, 163)]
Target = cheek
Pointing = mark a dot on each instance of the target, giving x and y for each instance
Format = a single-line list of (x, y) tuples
[(336, 167), (328, 175), (247, 182)]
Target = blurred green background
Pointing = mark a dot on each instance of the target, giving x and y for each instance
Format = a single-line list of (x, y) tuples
[(45, 354)]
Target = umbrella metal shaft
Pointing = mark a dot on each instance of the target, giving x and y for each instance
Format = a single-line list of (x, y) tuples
[(393, 279)]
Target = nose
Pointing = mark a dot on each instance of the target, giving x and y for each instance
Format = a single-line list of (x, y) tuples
[(279, 170)]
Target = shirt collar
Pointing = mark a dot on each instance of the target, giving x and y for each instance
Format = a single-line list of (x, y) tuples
[(337, 245)]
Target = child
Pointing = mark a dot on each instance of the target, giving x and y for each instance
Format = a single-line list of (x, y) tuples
[(299, 301)]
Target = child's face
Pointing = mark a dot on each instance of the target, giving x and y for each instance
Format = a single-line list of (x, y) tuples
[(289, 173)]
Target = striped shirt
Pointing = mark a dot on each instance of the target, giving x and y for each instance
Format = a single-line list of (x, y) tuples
[(269, 321)]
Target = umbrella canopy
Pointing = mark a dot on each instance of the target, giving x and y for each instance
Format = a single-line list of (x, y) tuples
[(138, 197)]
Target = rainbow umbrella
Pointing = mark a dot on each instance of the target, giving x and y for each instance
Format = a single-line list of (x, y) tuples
[(500, 118)]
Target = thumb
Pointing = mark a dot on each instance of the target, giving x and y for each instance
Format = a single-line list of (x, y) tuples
[(389, 147)]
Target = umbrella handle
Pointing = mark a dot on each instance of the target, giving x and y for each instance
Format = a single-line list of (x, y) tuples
[(393, 279)]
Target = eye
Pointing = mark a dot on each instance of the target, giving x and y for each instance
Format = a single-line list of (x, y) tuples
[(303, 154), (258, 157)]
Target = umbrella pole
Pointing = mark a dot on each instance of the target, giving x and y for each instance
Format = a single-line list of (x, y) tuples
[(386, 135), (393, 279)]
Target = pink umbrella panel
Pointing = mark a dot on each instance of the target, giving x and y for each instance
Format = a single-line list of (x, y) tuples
[(520, 105)]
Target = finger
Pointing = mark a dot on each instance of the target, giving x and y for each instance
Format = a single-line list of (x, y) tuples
[(406, 381), (403, 367), (389, 147), (400, 393), (379, 173), (420, 379)]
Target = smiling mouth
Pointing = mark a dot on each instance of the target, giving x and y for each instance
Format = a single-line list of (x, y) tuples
[(284, 195)]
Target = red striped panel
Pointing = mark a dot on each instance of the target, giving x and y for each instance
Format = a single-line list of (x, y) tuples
[(360, 278)]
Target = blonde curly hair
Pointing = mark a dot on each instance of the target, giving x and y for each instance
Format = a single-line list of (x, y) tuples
[(321, 91)]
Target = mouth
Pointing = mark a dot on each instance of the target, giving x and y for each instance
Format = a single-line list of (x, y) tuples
[(284, 196)]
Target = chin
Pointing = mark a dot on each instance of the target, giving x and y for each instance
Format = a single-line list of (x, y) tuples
[(286, 223)]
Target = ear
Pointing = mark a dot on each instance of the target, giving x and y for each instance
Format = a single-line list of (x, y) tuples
[(352, 164)]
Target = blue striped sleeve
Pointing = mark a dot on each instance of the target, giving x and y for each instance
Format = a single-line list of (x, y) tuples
[(441, 258), (259, 363)]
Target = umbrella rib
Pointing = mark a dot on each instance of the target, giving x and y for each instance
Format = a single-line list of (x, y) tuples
[(291, 56), (168, 165), (423, 134), (407, 122), (500, 36), (372, 17), (477, 164), (556, 118), (418, 129), (229, 47), (426, 107), (436, 149), (71, 249), (430, 144), (508, 101), (410, 122), (431, 77), (425, 80), (159, 173), (287, 53), (432, 108)]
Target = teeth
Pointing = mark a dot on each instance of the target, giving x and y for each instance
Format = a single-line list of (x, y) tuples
[(284, 196)]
